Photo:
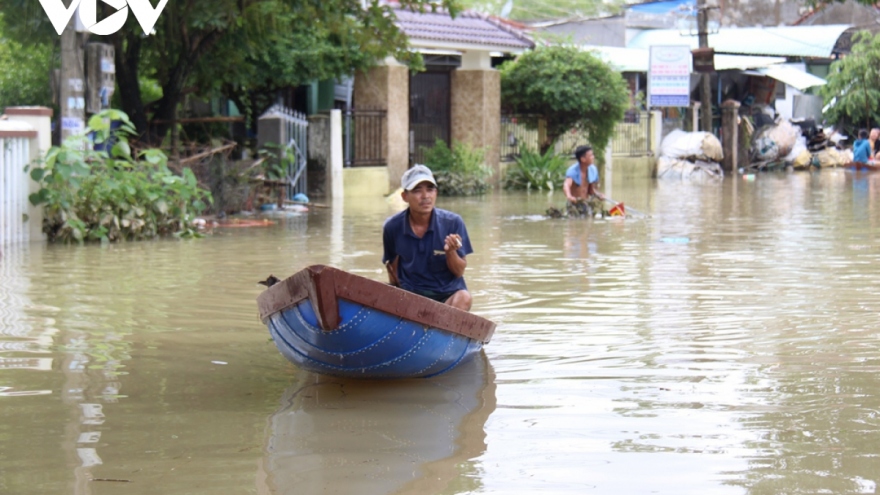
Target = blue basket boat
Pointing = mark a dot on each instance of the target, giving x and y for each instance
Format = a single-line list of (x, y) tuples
[(332, 322)]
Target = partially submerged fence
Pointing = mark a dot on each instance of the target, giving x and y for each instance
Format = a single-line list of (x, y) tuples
[(14, 185), (631, 137), (288, 130)]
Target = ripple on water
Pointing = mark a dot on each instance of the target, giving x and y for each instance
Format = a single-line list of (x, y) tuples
[(742, 360)]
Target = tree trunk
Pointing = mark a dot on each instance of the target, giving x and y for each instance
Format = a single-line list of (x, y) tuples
[(127, 55), (152, 129), (545, 139)]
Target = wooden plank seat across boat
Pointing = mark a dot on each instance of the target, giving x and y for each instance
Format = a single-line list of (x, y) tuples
[(333, 322)]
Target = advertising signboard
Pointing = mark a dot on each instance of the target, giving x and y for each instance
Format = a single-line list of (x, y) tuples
[(669, 76)]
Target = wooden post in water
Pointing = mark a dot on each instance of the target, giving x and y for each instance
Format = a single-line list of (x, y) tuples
[(730, 134)]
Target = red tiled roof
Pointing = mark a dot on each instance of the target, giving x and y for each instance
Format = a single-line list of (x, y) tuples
[(468, 28)]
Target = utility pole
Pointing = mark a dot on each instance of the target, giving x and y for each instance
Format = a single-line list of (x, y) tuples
[(705, 82), (71, 94)]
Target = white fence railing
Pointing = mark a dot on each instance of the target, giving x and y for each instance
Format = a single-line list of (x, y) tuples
[(294, 134), (632, 137), (14, 190)]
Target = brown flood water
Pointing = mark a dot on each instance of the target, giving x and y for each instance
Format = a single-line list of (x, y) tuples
[(728, 343)]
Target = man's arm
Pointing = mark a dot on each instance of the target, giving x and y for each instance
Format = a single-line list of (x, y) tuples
[(389, 255), (391, 267), (566, 188), (454, 262)]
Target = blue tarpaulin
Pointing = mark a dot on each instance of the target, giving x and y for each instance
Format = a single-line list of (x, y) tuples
[(664, 6)]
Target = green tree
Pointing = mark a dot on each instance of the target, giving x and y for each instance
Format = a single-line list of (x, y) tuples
[(852, 93), (559, 88), (241, 48), (24, 78)]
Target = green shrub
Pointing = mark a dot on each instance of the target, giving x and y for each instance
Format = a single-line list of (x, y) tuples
[(110, 196), (459, 171), (534, 170)]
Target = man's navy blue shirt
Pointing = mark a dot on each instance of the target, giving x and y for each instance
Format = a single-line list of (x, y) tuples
[(422, 265)]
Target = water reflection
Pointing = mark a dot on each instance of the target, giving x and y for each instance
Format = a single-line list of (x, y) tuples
[(405, 437), (726, 344), (25, 341)]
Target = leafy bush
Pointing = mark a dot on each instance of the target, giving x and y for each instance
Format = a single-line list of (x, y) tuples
[(276, 161), (460, 171), (534, 170), (110, 195)]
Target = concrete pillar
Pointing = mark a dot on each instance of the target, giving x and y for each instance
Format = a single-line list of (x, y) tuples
[(608, 179), (476, 109), (40, 119), (336, 188), (319, 153), (695, 116), (656, 130), (730, 134), (387, 87), (272, 136), (271, 132)]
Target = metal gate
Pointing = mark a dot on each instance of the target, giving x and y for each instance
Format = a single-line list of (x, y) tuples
[(292, 130), (365, 137), (429, 104)]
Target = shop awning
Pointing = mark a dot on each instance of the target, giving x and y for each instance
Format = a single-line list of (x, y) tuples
[(636, 59), (781, 41), (792, 76)]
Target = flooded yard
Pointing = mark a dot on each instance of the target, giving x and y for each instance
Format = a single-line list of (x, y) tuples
[(728, 341)]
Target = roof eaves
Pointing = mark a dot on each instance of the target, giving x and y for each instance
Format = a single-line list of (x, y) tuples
[(787, 41), (453, 46), (440, 27)]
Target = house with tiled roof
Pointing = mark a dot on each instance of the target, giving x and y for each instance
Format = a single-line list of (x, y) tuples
[(456, 99)]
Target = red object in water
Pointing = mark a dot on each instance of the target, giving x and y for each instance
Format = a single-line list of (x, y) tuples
[(617, 211)]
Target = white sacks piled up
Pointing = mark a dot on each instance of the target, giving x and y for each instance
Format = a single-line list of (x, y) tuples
[(690, 155)]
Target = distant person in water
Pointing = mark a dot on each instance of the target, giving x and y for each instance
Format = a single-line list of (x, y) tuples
[(862, 149), (581, 184), (424, 246), (582, 178)]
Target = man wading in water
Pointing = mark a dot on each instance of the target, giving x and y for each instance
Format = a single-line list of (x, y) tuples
[(581, 181), (424, 246)]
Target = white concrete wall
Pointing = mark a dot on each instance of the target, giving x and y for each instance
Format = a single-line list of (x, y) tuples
[(25, 137)]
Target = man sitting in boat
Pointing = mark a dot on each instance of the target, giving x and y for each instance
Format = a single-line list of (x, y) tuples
[(424, 246)]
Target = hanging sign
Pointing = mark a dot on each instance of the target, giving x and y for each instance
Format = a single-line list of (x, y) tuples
[(669, 76)]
